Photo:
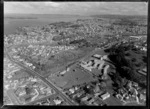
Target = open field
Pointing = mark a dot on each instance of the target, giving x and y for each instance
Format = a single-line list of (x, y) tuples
[(62, 60), (74, 76)]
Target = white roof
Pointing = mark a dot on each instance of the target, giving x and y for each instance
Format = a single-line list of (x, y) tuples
[(71, 90), (97, 55), (57, 101), (105, 96)]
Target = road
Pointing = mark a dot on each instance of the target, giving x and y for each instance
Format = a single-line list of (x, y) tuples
[(58, 90)]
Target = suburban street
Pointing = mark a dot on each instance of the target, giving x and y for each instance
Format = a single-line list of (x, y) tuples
[(43, 79)]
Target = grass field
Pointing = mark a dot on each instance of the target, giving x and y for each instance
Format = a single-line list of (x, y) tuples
[(60, 61), (73, 77)]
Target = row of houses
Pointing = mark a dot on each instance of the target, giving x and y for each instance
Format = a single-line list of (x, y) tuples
[(131, 93), (96, 96)]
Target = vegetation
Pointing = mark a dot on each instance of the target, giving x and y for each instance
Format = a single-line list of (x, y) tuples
[(124, 67)]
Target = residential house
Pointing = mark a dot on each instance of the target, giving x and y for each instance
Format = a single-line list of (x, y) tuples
[(57, 101), (105, 96), (105, 72), (97, 56), (72, 90), (143, 97), (84, 98)]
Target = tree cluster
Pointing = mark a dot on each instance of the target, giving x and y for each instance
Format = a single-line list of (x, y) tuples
[(124, 67)]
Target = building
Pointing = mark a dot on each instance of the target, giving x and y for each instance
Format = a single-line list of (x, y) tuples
[(44, 102), (145, 69), (57, 102), (84, 98), (143, 97), (72, 90), (22, 93), (105, 57), (95, 103), (119, 97), (97, 89), (101, 65), (105, 72), (134, 84), (141, 72), (105, 96), (91, 101), (80, 94), (87, 67), (97, 56), (63, 72)]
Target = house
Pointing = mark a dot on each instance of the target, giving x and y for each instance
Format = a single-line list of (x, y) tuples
[(142, 97), (72, 90), (97, 94), (97, 56), (68, 69), (145, 69), (134, 84), (80, 93), (105, 57), (63, 72), (86, 66), (38, 103), (57, 102), (76, 88), (97, 89), (119, 97), (89, 63), (22, 93), (95, 103), (105, 72), (141, 72), (105, 96), (84, 98), (73, 96), (91, 101), (101, 65)]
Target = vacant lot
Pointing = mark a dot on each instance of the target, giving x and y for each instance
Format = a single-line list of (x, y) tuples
[(73, 77), (60, 61)]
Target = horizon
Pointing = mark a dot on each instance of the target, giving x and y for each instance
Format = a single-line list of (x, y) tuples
[(77, 8), (73, 14)]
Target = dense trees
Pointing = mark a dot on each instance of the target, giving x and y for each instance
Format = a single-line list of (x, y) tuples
[(124, 67)]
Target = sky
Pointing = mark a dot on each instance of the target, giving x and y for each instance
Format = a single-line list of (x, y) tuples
[(77, 8)]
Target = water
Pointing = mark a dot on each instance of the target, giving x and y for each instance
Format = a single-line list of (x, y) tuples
[(10, 25)]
